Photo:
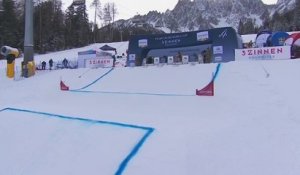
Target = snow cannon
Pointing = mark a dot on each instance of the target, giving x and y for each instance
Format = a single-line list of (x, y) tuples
[(6, 50), (10, 55)]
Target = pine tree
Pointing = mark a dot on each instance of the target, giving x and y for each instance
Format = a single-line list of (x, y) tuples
[(249, 27), (1, 24), (241, 27), (172, 23), (9, 24), (46, 15), (1, 7), (21, 23), (107, 14), (83, 31), (70, 27), (78, 30), (97, 6), (297, 14), (276, 21), (58, 31), (114, 12)]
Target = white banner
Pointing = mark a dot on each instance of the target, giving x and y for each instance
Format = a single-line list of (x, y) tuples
[(264, 53), (218, 50), (131, 57), (99, 62), (170, 59), (202, 36), (185, 59), (143, 43), (156, 60)]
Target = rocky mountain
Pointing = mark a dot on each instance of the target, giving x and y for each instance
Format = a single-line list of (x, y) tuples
[(190, 15), (283, 5)]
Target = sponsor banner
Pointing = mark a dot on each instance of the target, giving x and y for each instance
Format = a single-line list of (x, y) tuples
[(202, 36), (143, 43), (185, 59), (131, 57), (170, 40), (131, 60), (218, 59), (156, 60), (264, 53), (99, 62), (218, 50), (170, 59)]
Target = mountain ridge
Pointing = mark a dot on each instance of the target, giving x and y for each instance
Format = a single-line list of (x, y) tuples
[(190, 15)]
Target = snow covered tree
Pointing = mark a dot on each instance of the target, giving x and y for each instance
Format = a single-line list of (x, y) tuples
[(109, 14), (107, 18), (98, 13), (172, 23)]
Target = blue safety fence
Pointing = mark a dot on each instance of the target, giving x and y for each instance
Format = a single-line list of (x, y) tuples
[(95, 81), (81, 90), (128, 158), (217, 71)]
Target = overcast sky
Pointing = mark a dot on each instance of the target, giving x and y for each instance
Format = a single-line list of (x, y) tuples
[(129, 8)]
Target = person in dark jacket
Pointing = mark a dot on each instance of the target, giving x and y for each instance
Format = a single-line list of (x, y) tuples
[(43, 65), (50, 64), (114, 60), (179, 57), (65, 63)]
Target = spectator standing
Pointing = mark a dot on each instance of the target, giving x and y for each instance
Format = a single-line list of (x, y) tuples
[(179, 57), (114, 60), (250, 44), (65, 63), (204, 56), (43, 65), (50, 64)]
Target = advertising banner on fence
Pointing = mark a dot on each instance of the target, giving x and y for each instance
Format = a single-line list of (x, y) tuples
[(99, 62), (170, 59), (156, 60), (264, 53)]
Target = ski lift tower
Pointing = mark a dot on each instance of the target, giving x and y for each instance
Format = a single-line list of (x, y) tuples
[(28, 67)]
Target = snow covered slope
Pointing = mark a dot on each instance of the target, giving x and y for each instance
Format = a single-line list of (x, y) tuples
[(147, 120)]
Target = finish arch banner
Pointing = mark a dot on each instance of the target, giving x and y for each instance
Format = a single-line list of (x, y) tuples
[(264, 53)]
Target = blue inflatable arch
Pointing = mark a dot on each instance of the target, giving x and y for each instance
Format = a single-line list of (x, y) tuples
[(262, 37), (277, 39)]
